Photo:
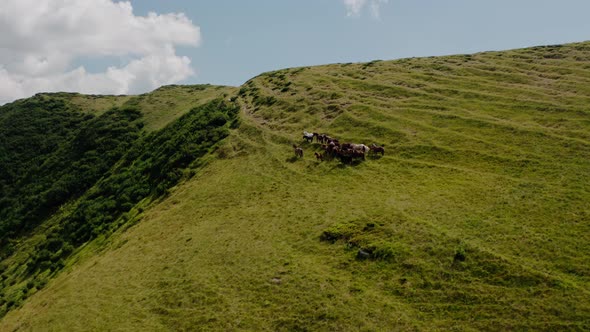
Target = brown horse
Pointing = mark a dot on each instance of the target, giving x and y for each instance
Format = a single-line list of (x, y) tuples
[(322, 138), (345, 155), (318, 156), (377, 149), (298, 151), (357, 154)]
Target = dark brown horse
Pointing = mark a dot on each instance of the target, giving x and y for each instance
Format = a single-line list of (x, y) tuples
[(357, 154), (377, 149), (298, 151), (315, 135), (318, 156), (345, 156), (322, 138)]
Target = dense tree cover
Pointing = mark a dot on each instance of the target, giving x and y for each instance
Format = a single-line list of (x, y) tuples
[(152, 165), (51, 153)]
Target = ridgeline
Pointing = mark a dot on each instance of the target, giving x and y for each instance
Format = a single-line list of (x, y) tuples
[(187, 209)]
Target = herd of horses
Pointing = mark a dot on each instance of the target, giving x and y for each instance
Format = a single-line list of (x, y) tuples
[(332, 148)]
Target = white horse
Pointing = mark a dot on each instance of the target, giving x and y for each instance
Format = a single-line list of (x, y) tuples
[(308, 136), (360, 147)]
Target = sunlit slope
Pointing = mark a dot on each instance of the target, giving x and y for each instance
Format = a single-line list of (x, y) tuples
[(520, 117), (159, 107), (477, 216), (168, 103)]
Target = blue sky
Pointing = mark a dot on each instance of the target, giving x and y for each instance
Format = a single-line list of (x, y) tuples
[(244, 38), (118, 47)]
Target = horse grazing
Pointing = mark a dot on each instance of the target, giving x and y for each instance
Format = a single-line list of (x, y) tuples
[(346, 146), (298, 151), (318, 137), (357, 154), (322, 138), (318, 156), (329, 140), (345, 156), (308, 136), (377, 149), (360, 147)]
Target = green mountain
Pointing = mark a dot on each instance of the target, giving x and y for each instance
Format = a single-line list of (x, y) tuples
[(187, 209)]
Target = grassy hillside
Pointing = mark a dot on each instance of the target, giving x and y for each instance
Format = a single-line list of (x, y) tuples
[(72, 174), (475, 219), (159, 107)]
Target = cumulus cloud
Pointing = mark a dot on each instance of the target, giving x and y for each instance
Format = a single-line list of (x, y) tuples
[(355, 7), (41, 39)]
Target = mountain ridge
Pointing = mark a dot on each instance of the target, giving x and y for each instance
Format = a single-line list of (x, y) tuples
[(474, 219)]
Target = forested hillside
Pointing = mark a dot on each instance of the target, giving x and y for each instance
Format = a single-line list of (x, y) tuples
[(475, 217), (72, 175)]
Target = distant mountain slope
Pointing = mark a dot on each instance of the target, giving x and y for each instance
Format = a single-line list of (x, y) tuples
[(476, 218)]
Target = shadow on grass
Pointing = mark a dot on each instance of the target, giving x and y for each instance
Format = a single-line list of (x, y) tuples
[(292, 159), (374, 156), (342, 165)]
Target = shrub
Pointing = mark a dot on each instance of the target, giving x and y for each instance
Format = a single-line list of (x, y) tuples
[(340, 231), (460, 254)]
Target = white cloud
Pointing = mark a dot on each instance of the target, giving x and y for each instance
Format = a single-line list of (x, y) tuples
[(41, 39), (354, 8)]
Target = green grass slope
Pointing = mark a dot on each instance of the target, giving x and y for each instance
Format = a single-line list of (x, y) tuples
[(168, 103), (477, 217), (159, 107)]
